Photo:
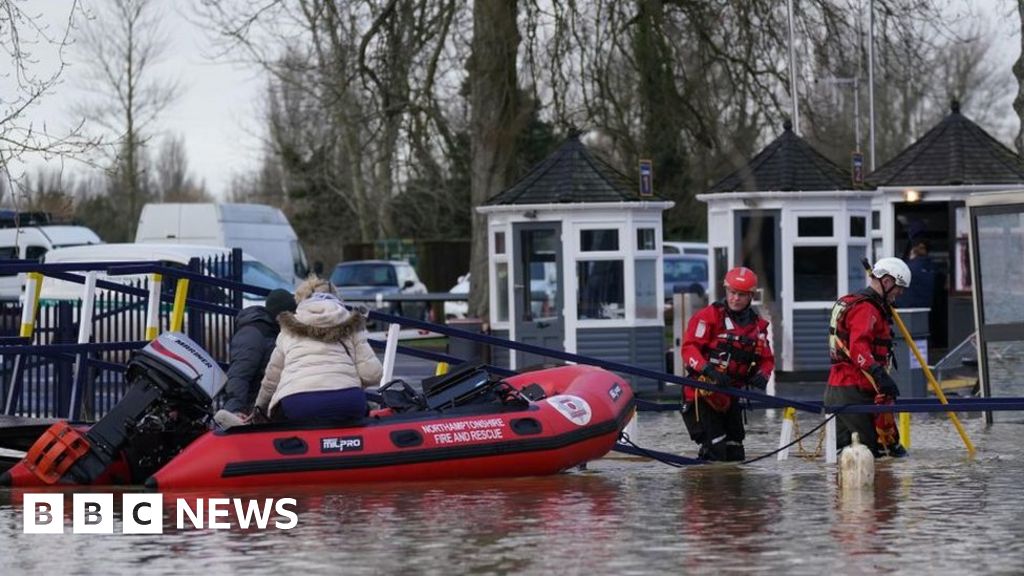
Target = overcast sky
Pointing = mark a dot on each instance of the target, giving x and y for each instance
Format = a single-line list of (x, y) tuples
[(218, 110)]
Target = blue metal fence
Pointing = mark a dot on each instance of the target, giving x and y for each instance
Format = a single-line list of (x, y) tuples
[(38, 376)]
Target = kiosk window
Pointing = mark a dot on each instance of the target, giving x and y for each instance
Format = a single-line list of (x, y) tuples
[(601, 293), (817, 226), (599, 240), (858, 226), (815, 273), (645, 239)]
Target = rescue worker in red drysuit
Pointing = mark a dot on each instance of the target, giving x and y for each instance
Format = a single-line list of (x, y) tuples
[(860, 340), (726, 345)]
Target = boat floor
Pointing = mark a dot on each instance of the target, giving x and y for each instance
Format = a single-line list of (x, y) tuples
[(18, 433)]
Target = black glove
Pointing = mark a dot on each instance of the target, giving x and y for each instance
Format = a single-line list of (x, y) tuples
[(717, 378), (886, 385), (759, 381)]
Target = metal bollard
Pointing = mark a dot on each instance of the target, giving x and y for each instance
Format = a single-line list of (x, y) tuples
[(390, 352), (830, 440), (905, 429), (786, 435)]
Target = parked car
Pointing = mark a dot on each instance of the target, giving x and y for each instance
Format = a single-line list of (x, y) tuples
[(543, 290), (32, 241), (254, 272), (458, 309), (689, 271), (668, 247), (362, 280), (126, 322)]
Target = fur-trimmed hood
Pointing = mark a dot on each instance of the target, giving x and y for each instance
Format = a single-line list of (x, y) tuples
[(325, 321)]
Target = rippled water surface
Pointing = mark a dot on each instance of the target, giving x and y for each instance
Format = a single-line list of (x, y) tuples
[(936, 512)]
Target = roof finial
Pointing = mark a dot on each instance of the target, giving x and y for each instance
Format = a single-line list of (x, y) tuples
[(954, 106), (787, 125)]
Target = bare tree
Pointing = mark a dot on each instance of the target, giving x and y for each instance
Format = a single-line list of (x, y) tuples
[(121, 46), (27, 40), (496, 121), (172, 182), (50, 191), (1018, 73), (366, 73)]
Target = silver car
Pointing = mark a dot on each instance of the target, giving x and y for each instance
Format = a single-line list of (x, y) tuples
[(362, 280)]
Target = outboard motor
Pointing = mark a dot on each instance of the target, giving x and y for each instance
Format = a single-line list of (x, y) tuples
[(172, 382)]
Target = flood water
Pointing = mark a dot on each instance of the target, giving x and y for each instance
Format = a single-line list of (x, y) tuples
[(935, 512)]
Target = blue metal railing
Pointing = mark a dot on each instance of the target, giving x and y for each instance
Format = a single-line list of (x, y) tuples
[(40, 386)]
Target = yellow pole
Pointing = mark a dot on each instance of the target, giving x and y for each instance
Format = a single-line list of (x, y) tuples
[(905, 429), (178, 312), (931, 379), (153, 307), (34, 284)]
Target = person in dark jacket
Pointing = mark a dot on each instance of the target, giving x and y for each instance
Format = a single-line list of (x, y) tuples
[(920, 294), (256, 330)]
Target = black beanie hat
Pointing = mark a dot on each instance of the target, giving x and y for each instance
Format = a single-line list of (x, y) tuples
[(279, 300)]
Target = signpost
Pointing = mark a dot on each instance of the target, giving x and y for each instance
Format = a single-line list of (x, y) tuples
[(857, 159), (646, 178)]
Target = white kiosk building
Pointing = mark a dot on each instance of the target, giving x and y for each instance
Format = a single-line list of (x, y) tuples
[(922, 192), (575, 263), (792, 216)]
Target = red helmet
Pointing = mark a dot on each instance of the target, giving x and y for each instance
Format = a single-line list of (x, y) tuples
[(741, 279)]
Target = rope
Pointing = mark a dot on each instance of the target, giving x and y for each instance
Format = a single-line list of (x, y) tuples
[(804, 453), (776, 451), (627, 446)]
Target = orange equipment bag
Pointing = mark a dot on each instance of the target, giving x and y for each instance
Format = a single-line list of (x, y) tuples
[(56, 451)]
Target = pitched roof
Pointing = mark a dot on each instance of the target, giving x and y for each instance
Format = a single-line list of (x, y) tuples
[(788, 164), (571, 174), (955, 152)]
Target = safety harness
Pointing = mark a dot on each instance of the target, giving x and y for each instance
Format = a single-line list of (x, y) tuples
[(839, 332)]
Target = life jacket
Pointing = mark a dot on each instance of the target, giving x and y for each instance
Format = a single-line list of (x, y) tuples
[(737, 347), (839, 332)]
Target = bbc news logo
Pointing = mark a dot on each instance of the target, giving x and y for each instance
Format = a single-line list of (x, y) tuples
[(144, 513)]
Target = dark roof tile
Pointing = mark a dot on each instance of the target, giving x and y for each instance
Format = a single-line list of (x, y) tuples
[(788, 164), (571, 174), (955, 152)]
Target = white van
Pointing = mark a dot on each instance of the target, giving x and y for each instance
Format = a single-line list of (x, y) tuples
[(32, 242), (254, 272), (260, 230)]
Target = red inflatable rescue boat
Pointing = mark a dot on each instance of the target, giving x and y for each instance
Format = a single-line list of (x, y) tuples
[(467, 424), (543, 423)]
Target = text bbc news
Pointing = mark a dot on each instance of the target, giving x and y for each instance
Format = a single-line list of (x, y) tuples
[(143, 513)]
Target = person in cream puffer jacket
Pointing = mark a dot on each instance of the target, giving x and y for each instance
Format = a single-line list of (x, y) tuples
[(321, 363)]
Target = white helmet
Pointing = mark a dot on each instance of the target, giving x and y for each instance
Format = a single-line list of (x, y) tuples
[(892, 267)]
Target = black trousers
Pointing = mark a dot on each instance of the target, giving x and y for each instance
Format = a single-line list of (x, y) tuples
[(847, 424), (719, 434)]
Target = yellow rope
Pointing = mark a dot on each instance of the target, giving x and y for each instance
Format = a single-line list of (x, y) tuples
[(803, 453)]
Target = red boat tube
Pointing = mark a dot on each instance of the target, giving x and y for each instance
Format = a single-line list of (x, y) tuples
[(563, 417)]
